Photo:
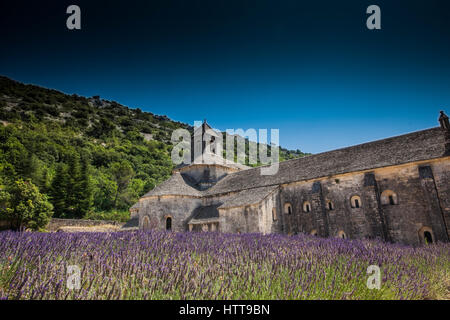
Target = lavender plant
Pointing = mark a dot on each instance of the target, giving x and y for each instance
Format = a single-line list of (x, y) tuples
[(164, 265)]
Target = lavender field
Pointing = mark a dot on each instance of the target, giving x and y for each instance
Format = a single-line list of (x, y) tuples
[(160, 265)]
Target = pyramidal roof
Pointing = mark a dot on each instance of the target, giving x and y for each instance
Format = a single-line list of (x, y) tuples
[(206, 157), (177, 184)]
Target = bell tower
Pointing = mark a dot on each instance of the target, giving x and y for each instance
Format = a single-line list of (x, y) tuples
[(204, 142)]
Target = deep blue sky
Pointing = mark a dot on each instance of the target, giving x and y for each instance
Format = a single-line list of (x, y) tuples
[(313, 70)]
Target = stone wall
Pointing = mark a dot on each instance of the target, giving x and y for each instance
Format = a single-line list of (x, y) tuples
[(442, 180), (420, 201), (56, 223), (269, 216), (421, 192), (158, 209), (240, 219)]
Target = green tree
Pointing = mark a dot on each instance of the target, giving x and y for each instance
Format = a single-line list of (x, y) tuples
[(73, 187), (24, 206), (105, 189), (7, 173), (122, 172), (85, 191), (72, 190), (59, 188), (44, 180)]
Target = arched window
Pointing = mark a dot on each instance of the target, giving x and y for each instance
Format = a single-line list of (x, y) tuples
[(287, 208), (355, 202), (389, 197), (306, 206), (274, 214), (169, 223), (212, 145), (314, 232), (330, 205), (145, 223), (426, 235), (341, 234)]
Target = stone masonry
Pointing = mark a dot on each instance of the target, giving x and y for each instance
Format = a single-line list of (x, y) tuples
[(396, 189)]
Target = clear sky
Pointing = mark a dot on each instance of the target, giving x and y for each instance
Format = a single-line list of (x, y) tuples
[(312, 70)]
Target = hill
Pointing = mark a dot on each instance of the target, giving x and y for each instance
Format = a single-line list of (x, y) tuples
[(92, 157)]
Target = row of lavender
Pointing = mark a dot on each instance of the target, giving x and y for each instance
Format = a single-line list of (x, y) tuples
[(160, 265)]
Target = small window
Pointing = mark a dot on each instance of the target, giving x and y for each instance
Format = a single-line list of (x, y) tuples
[(274, 214), (355, 202), (287, 208), (391, 200), (428, 237), (389, 197), (169, 223), (306, 206), (330, 205), (341, 234)]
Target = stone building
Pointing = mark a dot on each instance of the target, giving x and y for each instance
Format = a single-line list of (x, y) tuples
[(396, 189)]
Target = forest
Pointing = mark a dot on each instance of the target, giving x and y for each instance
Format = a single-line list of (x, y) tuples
[(80, 157)]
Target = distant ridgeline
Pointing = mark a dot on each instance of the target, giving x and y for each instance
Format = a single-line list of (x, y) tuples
[(87, 154)]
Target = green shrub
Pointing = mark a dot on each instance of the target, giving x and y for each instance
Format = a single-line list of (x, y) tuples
[(24, 206), (114, 215)]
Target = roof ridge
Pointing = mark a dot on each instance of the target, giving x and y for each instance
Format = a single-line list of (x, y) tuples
[(344, 148)]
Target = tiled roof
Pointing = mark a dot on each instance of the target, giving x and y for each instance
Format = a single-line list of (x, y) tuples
[(132, 223), (416, 146), (177, 184), (206, 212), (247, 197), (135, 206)]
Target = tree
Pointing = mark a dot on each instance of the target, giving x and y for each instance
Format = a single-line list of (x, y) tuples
[(58, 190), (24, 206), (105, 189), (43, 180), (72, 191), (122, 173), (73, 187), (85, 191), (7, 173)]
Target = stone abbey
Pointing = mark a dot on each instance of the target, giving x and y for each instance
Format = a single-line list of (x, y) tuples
[(396, 189)]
